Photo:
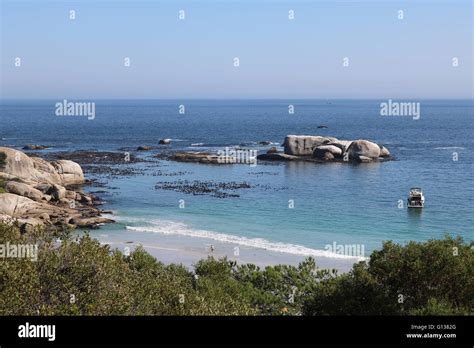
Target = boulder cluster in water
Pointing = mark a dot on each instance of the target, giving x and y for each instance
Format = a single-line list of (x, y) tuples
[(40, 192), (322, 148), (310, 148)]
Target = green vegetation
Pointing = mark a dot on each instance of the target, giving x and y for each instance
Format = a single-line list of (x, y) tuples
[(82, 277), (435, 277), (2, 163), (3, 157)]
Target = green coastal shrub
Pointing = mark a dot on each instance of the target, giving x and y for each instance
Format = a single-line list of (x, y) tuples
[(82, 277), (433, 277), (2, 164), (281, 289), (3, 157)]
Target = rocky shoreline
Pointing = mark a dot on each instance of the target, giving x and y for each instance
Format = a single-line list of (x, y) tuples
[(46, 193), (48, 190)]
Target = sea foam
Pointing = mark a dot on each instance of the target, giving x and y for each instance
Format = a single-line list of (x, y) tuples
[(167, 227)]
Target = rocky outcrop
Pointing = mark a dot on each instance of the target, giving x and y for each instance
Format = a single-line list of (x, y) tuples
[(309, 148), (280, 157), (273, 149), (221, 157), (315, 148), (363, 148), (197, 157), (164, 141), (143, 148), (304, 145), (38, 193), (35, 147), (36, 170), (201, 157)]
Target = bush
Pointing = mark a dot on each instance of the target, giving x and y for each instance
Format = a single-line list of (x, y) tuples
[(281, 289), (3, 157), (436, 276), (83, 277)]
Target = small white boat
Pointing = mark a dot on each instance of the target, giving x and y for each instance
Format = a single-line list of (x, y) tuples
[(416, 198)]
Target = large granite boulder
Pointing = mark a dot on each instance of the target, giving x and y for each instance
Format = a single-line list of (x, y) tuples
[(321, 151), (37, 170), (17, 165), (35, 193), (363, 148), (17, 206), (24, 190), (27, 211), (304, 145), (70, 172)]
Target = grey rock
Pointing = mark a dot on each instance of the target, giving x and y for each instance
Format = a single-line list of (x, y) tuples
[(278, 157), (273, 149), (320, 151), (364, 159), (384, 151), (24, 190), (143, 148), (363, 148), (304, 145), (34, 147), (36, 193)]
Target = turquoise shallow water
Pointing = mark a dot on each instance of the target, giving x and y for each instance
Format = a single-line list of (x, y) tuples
[(345, 204)]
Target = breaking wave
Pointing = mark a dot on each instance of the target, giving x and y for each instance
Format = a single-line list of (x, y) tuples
[(450, 148), (177, 228)]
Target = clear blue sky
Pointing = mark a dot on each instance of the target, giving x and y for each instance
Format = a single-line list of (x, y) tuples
[(389, 58)]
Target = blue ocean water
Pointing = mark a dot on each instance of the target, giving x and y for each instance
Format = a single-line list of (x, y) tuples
[(342, 203)]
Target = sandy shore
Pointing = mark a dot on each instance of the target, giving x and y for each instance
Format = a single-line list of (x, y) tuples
[(188, 250)]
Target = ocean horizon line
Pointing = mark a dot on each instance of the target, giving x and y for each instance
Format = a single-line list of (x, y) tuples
[(238, 99)]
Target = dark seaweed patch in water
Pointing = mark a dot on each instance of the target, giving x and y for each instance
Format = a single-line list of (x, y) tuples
[(112, 171), (262, 173), (215, 189), (164, 173)]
